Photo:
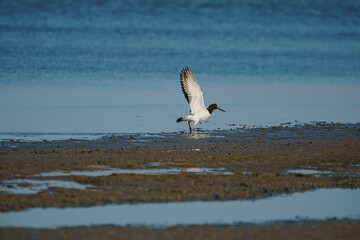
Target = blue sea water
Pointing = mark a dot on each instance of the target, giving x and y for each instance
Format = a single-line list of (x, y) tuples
[(113, 66)]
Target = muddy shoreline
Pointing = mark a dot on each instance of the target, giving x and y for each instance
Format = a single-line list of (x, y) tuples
[(259, 160), (316, 230)]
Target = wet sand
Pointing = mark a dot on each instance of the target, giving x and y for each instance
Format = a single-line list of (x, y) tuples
[(258, 158)]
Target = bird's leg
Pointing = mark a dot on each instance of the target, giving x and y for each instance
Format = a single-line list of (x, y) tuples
[(192, 128), (189, 127)]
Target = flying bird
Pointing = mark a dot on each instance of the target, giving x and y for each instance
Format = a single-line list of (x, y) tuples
[(195, 97)]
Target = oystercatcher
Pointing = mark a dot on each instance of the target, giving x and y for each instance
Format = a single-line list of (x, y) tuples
[(195, 97)]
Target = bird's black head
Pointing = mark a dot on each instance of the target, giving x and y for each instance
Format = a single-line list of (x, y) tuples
[(212, 107)]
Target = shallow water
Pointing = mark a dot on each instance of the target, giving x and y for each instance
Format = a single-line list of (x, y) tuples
[(31, 186), (309, 171), (26, 136), (116, 111), (320, 204), (110, 171)]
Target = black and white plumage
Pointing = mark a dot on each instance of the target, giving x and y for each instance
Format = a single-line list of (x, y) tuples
[(195, 97)]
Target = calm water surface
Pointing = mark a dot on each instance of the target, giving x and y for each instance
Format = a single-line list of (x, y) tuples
[(113, 66), (320, 204)]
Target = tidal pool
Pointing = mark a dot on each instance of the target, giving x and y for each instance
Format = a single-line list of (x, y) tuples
[(31, 186), (320, 204), (309, 171), (153, 171), (319, 172)]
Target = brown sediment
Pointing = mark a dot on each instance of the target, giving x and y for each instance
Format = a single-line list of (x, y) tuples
[(321, 230), (258, 158)]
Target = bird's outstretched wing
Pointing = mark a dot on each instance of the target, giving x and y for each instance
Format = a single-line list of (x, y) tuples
[(192, 91)]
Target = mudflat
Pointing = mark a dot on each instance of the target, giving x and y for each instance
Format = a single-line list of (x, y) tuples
[(318, 230), (217, 165)]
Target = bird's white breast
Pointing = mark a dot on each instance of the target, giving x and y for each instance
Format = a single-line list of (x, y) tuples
[(202, 115)]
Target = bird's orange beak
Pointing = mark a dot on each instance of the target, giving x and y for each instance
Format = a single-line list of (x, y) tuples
[(220, 109)]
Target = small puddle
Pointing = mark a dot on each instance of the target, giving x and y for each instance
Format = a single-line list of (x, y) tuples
[(308, 171), (155, 171), (317, 172), (320, 204), (29, 186), (331, 164)]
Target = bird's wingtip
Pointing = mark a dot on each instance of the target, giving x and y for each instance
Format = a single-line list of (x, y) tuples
[(185, 71), (186, 68)]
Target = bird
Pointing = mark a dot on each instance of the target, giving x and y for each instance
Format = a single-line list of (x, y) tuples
[(195, 97)]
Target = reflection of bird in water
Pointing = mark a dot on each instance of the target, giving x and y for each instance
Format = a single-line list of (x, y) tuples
[(197, 136), (195, 97)]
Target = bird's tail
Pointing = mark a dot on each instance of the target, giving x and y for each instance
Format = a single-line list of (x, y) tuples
[(180, 119), (187, 118)]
